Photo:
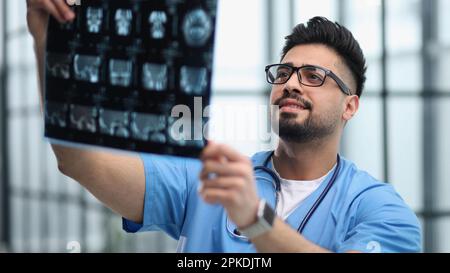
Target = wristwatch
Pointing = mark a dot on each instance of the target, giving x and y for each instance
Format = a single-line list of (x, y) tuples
[(264, 223)]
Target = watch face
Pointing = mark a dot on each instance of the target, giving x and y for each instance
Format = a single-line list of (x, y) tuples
[(268, 214)]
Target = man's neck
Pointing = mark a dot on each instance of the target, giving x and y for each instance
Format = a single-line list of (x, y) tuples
[(305, 161)]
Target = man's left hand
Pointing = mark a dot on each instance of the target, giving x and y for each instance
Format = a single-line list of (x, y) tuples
[(227, 178)]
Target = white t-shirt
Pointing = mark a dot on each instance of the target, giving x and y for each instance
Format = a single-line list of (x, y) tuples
[(293, 192)]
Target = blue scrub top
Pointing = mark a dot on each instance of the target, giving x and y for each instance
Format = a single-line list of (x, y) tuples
[(358, 213)]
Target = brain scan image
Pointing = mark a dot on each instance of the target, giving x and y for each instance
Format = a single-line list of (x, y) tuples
[(147, 127), (115, 73), (193, 80), (114, 123), (120, 72), (197, 28), (55, 114), (86, 68), (157, 20), (154, 76), (94, 19), (58, 65), (83, 118), (123, 18)]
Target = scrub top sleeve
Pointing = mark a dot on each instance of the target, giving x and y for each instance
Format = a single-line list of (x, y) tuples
[(166, 190), (383, 224)]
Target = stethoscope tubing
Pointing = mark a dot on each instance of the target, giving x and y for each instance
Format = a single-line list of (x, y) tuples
[(277, 184)]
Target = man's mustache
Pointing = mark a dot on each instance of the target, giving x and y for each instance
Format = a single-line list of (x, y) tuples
[(305, 103)]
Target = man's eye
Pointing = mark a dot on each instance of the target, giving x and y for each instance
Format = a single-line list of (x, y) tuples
[(313, 77), (282, 74)]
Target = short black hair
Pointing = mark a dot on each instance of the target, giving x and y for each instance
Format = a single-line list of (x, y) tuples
[(319, 30)]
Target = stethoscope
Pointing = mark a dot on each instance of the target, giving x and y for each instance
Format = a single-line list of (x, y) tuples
[(277, 185)]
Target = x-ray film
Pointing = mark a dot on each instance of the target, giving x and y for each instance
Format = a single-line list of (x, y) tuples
[(118, 75)]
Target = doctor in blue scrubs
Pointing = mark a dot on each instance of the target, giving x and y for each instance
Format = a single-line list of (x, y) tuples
[(302, 197)]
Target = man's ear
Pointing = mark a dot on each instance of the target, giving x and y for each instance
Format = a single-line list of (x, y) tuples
[(351, 107)]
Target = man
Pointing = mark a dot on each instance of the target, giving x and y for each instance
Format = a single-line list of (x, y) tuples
[(321, 202)]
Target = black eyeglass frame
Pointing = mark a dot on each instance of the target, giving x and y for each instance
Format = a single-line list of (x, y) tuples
[(344, 88)]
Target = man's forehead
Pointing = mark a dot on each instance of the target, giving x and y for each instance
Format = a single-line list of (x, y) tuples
[(314, 54)]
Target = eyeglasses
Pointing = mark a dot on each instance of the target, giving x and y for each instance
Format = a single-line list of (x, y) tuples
[(309, 75)]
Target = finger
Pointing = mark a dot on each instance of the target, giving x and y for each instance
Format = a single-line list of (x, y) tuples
[(208, 150), (222, 183), (216, 196), (212, 167), (217, 150), (64, 9), (49, 7), (221, 150)]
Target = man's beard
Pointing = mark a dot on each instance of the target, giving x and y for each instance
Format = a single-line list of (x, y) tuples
[(313, 128)]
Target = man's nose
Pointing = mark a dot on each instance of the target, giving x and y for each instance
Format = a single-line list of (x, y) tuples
[(293, 84)]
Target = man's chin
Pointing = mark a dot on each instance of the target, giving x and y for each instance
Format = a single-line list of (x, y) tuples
[(293, 137), (288, 115), (293, 118)]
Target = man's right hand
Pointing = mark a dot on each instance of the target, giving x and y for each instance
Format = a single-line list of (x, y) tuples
[(38, 12)]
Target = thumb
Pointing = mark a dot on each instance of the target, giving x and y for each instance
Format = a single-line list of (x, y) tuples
[(37, 21)]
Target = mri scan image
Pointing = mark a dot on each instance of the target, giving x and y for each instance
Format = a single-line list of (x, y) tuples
[(123, 18), (154, 76), (147, 127), (114, 123), (120, 72), (157, 20), (86, 68), (193, 80), (197, 27), (83, 118), (94, 19), (115, 73), (55, 114), (58, 65)]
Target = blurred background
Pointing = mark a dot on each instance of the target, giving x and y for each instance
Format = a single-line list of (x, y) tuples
[(400, 135)]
